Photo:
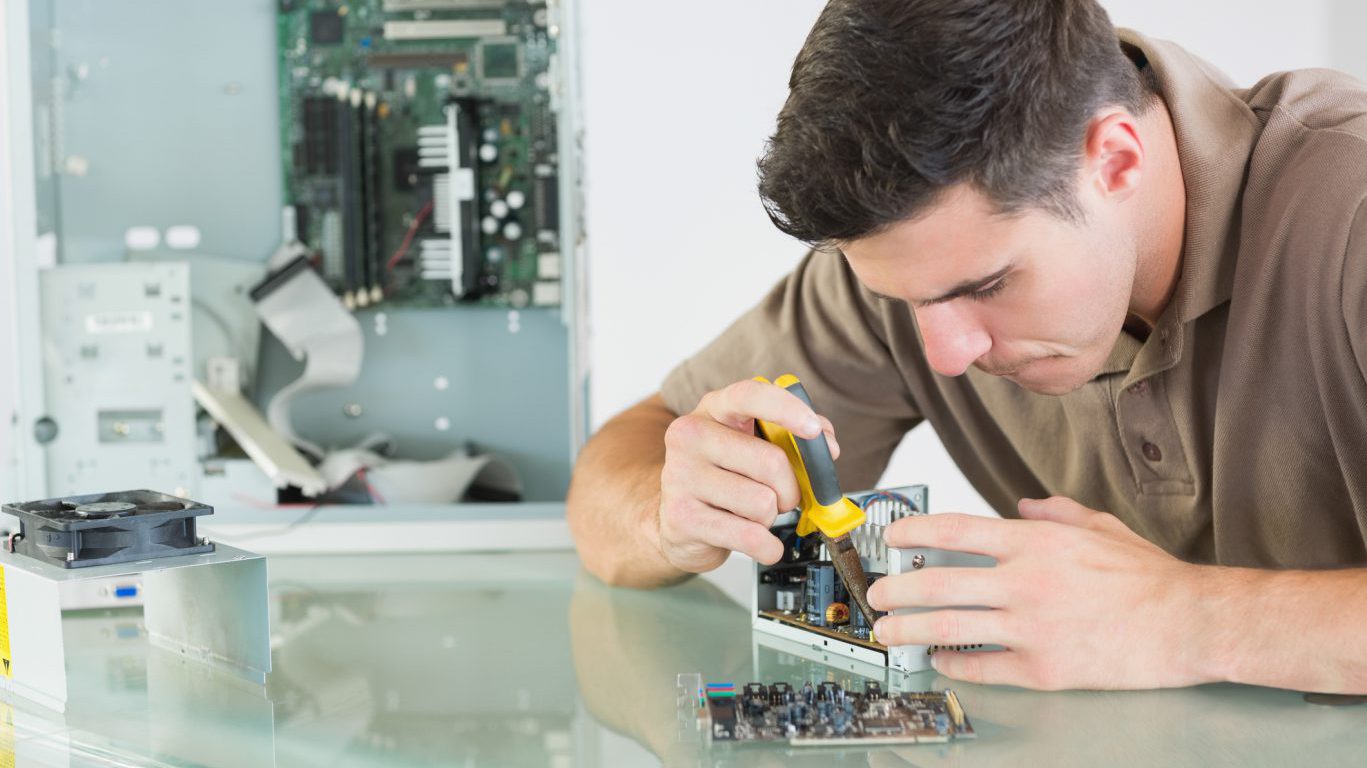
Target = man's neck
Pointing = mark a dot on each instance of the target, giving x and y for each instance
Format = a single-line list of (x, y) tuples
[(1163, 207)]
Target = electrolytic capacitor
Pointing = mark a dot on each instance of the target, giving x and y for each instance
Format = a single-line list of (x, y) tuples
[(512, 230), (516, 199)]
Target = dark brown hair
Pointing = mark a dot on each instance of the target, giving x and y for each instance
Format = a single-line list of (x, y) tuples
[(893, 101)]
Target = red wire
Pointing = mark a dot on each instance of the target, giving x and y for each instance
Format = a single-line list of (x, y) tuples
[(408, 238), (375, 496)]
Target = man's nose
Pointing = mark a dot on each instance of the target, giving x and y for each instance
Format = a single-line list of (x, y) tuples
[(952, 338)]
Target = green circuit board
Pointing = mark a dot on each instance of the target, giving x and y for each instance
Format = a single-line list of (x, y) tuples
[(420, 152)]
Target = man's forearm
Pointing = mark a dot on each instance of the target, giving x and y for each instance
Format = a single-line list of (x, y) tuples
[(614, 498), (1303, 630)]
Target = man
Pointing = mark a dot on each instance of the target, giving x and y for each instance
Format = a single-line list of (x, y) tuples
[(1132, 300)]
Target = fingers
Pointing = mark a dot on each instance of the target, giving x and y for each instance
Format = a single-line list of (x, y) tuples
[(695, 441), (739, 403), (939, 588), (696, 537), (721, 486), (734, 493), (1056, 509), (829, 429), (984, 667), (956, 532), (943, 627)]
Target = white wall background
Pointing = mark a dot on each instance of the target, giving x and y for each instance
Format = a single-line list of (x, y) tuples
[(678, 106)]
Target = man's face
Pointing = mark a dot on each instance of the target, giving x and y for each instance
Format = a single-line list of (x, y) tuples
[(1030, 297)]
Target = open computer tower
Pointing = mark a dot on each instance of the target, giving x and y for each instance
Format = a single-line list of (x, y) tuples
[(298, 257)]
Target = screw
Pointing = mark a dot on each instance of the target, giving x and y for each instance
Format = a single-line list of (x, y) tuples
[(918, 561)]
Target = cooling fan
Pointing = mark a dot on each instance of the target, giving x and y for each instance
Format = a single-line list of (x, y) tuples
[(108, 528)]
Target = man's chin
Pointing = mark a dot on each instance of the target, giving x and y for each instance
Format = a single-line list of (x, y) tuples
[(1052, 376)]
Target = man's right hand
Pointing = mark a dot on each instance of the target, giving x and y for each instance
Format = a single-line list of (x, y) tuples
[(722, 486)]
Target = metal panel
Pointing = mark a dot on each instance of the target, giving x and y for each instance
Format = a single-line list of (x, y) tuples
[(20, 208), (117, 370), (209, 608), (164, 114), (33, 602), (438, 378), (216, 615)]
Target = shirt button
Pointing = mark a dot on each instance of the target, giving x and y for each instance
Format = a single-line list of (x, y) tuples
[(1139, 387), (1152, 452)]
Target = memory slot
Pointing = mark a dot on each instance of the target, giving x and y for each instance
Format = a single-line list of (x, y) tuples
[(350, 192)]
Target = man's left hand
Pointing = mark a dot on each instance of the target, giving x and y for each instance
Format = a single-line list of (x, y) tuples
[(1078, 600)]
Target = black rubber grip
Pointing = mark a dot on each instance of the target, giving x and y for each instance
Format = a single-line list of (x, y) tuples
[(816, 457)]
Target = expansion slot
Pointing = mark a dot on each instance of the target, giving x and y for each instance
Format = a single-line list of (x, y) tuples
[(402, 6), (445, 29)]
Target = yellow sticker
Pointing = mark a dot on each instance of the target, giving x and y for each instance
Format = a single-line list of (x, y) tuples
[(4, 629)]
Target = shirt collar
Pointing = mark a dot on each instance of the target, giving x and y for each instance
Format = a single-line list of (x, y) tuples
[(1216, 132)]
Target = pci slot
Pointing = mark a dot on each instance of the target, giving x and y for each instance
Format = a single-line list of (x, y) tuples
[(445, 29), (401, 6)]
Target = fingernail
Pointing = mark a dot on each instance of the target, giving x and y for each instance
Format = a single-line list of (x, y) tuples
[(878, 629), (934, 663), (812, 427)]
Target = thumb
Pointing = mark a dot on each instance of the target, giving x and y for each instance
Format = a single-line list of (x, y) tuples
[(1058, 509)]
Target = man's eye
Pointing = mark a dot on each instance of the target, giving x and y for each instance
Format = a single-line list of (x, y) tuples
[(984, 294)]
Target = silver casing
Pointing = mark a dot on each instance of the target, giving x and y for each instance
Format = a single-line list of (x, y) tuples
[(210, 608), (876, 557)]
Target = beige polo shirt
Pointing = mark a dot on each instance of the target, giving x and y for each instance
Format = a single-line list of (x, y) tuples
[(1236, 433)]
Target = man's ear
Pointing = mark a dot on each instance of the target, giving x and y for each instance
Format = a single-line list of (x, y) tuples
[(1113, 155)]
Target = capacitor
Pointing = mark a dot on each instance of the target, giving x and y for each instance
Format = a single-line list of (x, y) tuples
[(488, 152), (490, 135), (489, 225), (517, 199), (494, 255), (499, 209), (512, 231)]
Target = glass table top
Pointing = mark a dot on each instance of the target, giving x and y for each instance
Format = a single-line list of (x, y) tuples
[(524, 660)]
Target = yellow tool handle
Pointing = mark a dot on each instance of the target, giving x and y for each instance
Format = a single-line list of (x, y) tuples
[(824, 507)]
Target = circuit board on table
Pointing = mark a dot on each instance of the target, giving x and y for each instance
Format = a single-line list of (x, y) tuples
[(828, 714)]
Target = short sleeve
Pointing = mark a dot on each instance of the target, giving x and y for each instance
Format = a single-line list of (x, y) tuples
[(1355, 288), (821, 325)]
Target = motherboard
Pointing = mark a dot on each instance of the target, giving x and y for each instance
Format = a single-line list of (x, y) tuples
[(829, 714), (420, 152), (802, 598)]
